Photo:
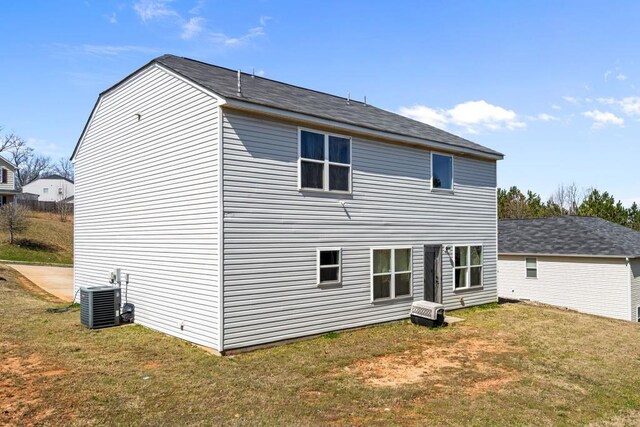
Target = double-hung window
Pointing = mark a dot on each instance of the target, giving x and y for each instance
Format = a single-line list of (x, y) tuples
[(329, 266), (441, 171), (391, 273), (467, 267), (325, 162), (531, 267)]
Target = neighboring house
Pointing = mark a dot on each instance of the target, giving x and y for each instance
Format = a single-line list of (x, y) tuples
[(294, 212), (51, 188), (582, 263), (7, 182)]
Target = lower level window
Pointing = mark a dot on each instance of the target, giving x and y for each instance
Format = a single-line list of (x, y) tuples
[(467, 267), (391, 273), (329, 266), (531, 267)]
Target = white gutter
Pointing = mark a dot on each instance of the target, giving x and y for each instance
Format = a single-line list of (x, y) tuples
[(560, 255)]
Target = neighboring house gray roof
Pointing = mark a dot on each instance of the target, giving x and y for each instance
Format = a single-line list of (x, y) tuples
[(53, 176), (270, 93), (567, 235)]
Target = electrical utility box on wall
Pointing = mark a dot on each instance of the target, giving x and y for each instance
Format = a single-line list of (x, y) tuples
[(100, 306)]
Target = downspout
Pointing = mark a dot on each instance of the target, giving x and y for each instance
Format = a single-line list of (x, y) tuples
[(220, 143), (632, 308)]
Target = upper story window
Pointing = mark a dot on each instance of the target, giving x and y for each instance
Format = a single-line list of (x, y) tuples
[(5, 176), (441, 171), (45, 190), (325, 162), (467, 267), (59, 191)]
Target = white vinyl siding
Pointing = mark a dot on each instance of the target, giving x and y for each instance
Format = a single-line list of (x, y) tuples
[(129, 215), (50, 189), (590, 285), (272, 231), (10, 184)]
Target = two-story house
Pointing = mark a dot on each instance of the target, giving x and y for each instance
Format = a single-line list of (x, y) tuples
[(51, 188), (248, 211), (7, 182)]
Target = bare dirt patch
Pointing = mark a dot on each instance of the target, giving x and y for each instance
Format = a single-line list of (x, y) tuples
[(152, 365), (20, 390), (437, 363)]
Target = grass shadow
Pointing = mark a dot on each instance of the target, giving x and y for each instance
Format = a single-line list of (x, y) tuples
[(35, 245)]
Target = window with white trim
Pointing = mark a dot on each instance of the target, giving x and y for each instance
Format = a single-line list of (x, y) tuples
[(391, 273), (325, 162), (441, 171), (467, 267), (329, 266), (531, 267)]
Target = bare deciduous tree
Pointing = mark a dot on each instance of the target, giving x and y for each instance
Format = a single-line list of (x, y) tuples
[(567, 198), (30, 167), (13, 219), (63, 207), (64, 168)]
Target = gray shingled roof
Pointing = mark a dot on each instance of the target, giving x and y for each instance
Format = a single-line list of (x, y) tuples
[(271, 93), (567, 235), (54, 176)]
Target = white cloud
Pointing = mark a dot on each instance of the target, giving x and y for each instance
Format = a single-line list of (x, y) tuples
[(148, 10), (601, 118), (112, 50), (607, 74), (556, 107), (571, 99), (260, 73), (113, 18), (472, 116), (422, 113), (544, 117), (621, 77), (252, 33), (192, 27), (630, 105)]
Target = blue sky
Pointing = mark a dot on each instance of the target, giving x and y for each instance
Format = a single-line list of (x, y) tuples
[(553, 85)]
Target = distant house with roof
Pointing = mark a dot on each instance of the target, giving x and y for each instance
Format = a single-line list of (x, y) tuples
[(7, 181), (582, 263), (51, 188)]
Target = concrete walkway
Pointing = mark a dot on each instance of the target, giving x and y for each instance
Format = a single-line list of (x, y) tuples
[(58, 281)]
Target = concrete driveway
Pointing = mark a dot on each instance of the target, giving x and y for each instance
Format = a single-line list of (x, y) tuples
[(58, 281)]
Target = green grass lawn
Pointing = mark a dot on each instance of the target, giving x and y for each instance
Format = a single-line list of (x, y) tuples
[(47, 240), (510, 364)]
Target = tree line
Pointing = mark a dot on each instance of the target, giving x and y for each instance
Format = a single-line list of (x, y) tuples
[(567, 200), (29, 164)]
